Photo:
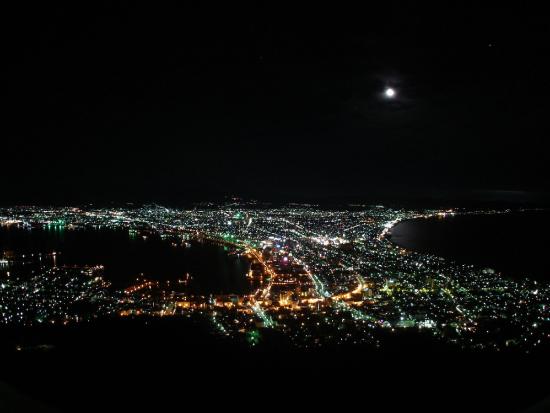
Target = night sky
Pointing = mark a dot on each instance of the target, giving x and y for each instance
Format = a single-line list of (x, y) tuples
[(130, 103)]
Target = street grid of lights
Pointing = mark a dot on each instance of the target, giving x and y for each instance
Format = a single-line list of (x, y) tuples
[(319, 276)]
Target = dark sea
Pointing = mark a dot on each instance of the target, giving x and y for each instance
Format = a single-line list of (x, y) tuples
[(515, 244), (211, 268)]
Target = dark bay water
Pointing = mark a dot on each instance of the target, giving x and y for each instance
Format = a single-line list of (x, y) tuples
[(125, 257), (516, 244)]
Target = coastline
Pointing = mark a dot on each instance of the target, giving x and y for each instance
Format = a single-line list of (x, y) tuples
[(466, 240)]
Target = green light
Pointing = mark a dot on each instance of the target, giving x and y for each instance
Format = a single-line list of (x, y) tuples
[(253, 337)]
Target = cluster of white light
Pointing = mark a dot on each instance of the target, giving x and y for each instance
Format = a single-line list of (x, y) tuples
[(326, 241)]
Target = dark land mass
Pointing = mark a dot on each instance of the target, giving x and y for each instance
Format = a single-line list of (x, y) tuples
[(178, 362)]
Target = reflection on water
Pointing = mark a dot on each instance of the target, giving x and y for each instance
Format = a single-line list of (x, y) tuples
[(126, 255)]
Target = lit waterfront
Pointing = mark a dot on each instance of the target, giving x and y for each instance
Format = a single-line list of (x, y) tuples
[(320, 277)]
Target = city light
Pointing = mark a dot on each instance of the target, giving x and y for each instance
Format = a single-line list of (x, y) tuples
[(311, 272)]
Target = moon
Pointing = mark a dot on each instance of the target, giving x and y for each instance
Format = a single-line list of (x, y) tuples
[(389, 92)]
